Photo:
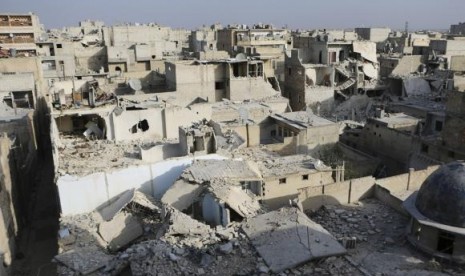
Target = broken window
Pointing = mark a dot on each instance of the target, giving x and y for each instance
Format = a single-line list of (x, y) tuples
[(438, 126), (48, 65), (59, 46), (332, 57), (240, 69), (219, 85), (199, 143), (341, 55), (446, 243), (21, 99), (305, 177), (424, 148), (282, 181)]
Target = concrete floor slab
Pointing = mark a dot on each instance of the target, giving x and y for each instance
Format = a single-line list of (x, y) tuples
[(287, 237)]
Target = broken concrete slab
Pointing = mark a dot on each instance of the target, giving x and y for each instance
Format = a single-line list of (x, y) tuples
[(182, 194), (120, 231), (243, 203), (84, 260), (146, 201), (287, 237), (115, 205), (207, 170), (178, 223)]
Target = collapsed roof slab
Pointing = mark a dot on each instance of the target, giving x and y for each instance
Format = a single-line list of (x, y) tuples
[(84, 260), (115, 205), (120, 231), (243, 203), (182, 194), (286, 238)]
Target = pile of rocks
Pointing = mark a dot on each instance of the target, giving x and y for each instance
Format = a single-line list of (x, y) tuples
[(76, 153), (374, 222)]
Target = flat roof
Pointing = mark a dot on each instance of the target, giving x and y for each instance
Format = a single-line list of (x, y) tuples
[(301, 119), (395, 120), (288, 165)]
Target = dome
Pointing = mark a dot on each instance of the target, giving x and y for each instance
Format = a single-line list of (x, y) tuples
[(441, 197)]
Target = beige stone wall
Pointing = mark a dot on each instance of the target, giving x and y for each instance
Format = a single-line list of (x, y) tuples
[(123, 124), (177, 116), (313, 197), (278, 194), (407, 181)]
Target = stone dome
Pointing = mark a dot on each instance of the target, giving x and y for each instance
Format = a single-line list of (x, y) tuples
[(441, 197)]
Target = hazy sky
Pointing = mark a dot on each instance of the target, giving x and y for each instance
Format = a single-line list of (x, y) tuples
[(421, 14)]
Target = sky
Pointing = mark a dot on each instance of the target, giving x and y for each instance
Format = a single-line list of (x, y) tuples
[(296, 14)]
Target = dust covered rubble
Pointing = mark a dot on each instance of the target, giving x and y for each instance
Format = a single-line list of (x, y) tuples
[(76, 153), (172, 243), (374, 222)]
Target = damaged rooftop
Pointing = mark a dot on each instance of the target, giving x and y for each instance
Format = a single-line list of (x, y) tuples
[(144, 149)]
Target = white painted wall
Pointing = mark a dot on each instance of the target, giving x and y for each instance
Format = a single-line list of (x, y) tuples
[(82, 194)]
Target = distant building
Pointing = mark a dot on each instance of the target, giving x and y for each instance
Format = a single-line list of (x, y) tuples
[(457, 29), (19, 33)]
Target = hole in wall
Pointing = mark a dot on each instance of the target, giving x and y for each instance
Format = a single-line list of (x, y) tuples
[(141, 125)]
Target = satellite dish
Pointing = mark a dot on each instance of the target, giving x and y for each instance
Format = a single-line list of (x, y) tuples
[(241, 56), (135, 84), (319, 165)]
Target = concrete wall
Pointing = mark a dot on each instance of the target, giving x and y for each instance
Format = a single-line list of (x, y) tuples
[(407, 181), (176, 117), (91, 58), (123, 124), (313, 197), (161, 152), (277, 195), (81, 194)]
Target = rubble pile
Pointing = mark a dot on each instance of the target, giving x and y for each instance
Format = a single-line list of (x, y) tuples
[(380, 247), (134, 232), (374, 223), (356, 108), (79, 156)]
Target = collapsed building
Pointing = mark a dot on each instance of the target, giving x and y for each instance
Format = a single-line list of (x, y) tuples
[(223, 151), (321, 67)]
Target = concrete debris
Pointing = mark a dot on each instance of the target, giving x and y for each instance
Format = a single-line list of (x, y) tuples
[(79, 156), (146, 201), (182, 194), (120, 231), (84, 260), (287, 237), (178, 223), (115, 205), (207, 170), (243, 203), (226, 248)]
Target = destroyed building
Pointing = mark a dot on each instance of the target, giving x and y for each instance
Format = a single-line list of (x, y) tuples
[(18, 34), (321, 67), (229, 151)]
